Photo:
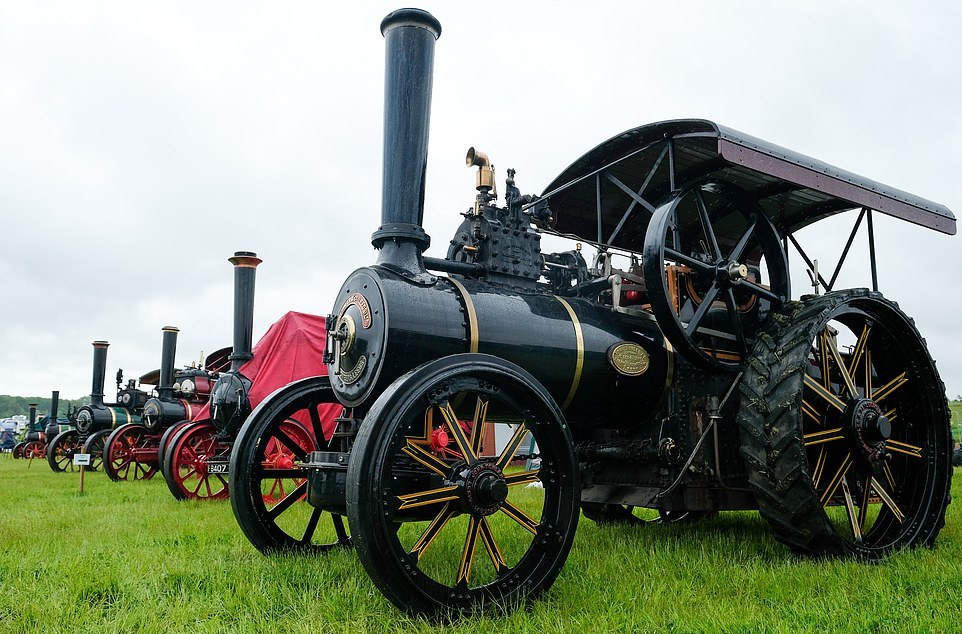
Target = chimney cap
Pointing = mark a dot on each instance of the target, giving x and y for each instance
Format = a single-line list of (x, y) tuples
[(246, 259), (411, 17)]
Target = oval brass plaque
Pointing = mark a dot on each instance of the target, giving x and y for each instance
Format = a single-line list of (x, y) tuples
[(628, 358)]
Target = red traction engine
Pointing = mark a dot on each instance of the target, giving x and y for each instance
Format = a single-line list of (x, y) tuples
[(702, 387), (132, 451), (196, 461)]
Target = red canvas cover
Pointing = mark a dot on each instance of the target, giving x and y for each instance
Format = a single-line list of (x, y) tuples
[(292, 349)]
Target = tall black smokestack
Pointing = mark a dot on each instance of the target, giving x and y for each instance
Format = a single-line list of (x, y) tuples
[(100, 373), (409, 36), (245, 267), (33, 415), (165, 389), (54, 405)]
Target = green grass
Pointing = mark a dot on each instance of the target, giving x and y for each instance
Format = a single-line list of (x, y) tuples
[(126, 557)]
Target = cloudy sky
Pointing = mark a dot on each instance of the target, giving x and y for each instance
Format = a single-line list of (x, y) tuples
[(141, 144)]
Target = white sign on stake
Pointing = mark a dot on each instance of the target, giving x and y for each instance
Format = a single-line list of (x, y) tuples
[(81, 459)]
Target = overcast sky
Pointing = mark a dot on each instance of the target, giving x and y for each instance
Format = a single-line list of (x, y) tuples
[(141, 144)]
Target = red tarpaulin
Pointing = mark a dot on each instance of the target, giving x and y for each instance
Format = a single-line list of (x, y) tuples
[(292, 349)]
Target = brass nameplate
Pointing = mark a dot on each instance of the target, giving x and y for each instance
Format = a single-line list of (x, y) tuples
[(629, 358)]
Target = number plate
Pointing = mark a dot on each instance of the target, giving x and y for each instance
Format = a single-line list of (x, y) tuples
[(218, 467)]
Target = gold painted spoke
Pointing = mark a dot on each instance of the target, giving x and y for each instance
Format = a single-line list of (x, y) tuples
[(819, 466), (470, 545), (888, 501), (863, 507), (890, 387), (889, 477), (846, 377), (811, 412), (477, 429), (487, 537), (826, 374), (822, 391), (904, 448), (426, 458), (837, 479), (819, 437), (432, 531), (522, 477), (431, 496), (868, 373), (892, 414), (512, 446), (520, 517), (853, 521), (457, 432), (860, 349)]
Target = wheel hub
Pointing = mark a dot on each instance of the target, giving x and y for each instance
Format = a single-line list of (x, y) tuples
[(871, 427), (485, 489), (732, 272)]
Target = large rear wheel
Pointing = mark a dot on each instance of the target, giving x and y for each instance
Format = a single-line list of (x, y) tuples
[(845, 427), (444, 514)]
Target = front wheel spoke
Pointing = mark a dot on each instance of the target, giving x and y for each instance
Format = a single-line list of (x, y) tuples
[(520, 517), (522, 477), (487, 537), (467, 555), (836, 480), (477, 429), (288, 442), (904, 448), (316, 424), (809, 410), (889, 476), (311, 526), (888, 500), (289, 499), (424, 541), (863, 507), (505, 458), (431, 496), (457, 432), (820, 437), (426, 458), (824, 393), (850, 511), (890, 387)]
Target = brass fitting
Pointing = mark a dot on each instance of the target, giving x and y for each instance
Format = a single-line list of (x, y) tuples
[(485, 177)]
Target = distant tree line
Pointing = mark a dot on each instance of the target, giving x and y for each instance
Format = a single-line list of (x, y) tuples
[(13, 405)]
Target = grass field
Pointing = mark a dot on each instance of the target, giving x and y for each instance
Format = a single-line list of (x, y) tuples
[(127, 557)]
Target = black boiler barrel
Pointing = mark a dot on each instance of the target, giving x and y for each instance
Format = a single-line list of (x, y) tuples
[(597, 364)]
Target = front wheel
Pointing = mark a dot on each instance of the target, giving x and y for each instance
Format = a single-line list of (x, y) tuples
[(94, 445), (268, 484), (443, 512), (61, 449), (129, 453), (196, 463)]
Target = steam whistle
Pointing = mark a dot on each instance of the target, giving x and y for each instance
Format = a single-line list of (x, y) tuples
[(484, 180)]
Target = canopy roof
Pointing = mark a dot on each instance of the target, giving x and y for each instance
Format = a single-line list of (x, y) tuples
[(608, 195)]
